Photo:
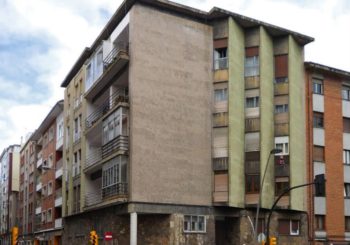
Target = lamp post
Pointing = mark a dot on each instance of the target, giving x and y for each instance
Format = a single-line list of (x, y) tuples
[(272, 152)]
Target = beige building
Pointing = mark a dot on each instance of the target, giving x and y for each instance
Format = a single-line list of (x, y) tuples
[(170, 118)]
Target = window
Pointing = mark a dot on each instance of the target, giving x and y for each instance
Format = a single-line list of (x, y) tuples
[(44, 193), (281, 108), (346, 125), (220, 95), (251, 66), (284, 147), (345, 92), (318, 153), (94, 68), (318, 120), (115, 125), (114, 177), (346, 157), (220, 119), (252, 183), (49, 188), (281, 68), (220, 58), (194, 223), (319, 222), (288, 227), (51, 133), (50, 161), (49, 215), (347, 223), (60, 130), (76, 163), (347, 190), (252, 102), (43, 217), (317, 85)]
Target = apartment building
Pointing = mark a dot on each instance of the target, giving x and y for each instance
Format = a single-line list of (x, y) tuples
[(9, 184), (27, 195), (328, 116), (172, 116), (48, 175)]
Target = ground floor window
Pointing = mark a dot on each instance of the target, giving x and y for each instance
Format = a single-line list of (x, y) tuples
[(289, 227), (194, 223)]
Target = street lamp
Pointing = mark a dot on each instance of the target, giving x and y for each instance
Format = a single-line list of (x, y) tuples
[(272, 152)]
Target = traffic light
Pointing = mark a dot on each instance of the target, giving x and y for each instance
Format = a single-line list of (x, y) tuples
[(14, 235), (273, 241), (93, 237), (320, 188)]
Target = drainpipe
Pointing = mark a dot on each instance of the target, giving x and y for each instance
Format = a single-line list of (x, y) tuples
[(133, 228)]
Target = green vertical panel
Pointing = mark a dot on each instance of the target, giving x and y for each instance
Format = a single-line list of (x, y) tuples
[(297, 141), (266, 116), (236, 114)]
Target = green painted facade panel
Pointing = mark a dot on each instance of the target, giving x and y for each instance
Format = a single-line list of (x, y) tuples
[(266, 117), (236, 114), (297, 141)]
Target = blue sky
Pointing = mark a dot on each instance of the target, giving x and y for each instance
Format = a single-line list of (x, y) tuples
[(41, 39)]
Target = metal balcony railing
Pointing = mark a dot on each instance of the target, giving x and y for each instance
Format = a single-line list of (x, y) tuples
[(121, 142), (94, 157), (109, 103), (220, 163), (114, 190), (92, 198), (120, 48), (221, 63)]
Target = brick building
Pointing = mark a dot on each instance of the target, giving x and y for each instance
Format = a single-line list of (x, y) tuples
[(328, 139)]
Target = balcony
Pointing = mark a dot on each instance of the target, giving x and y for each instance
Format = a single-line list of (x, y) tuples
[(118, 189), (94, 157), (38, 185), (114, 62), (281, 129), (121, 96), (39, 163), (38, 210), (58, 197), (281, 88), (252, 124), (221, 63), (121, 143), (76, 136), (59, 170), (58, 223), (220, 164)]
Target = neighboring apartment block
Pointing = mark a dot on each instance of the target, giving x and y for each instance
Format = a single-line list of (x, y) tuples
[(48, 175), (328, 112), (170, 119), (27, 192), (9, 187)]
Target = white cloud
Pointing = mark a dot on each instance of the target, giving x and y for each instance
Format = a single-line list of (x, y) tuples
[(68, 26)]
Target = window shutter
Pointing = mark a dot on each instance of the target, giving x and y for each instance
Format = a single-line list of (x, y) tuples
[(318, 154), (253, 51), (281, 65), (221, 182)]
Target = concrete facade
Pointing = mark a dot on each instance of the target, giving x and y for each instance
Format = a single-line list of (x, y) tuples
[(179, 158)]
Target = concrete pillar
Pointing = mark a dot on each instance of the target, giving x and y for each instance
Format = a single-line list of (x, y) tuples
[(133, 228)]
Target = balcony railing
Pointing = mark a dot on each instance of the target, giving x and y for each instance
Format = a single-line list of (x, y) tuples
[(94, 157), (220, 163), (109, 103), (221, 63), (120, 48), (92, 198), (121, 142), (114, 190)]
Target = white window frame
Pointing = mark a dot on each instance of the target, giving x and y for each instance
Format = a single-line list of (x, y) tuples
[(282, 143), (220, 95), (290, 228), (220, 59), (252, 66), (252, 102), (188, 222), (49, 188), (345, 92), (317, 86), (281, 108), (346, 157)]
